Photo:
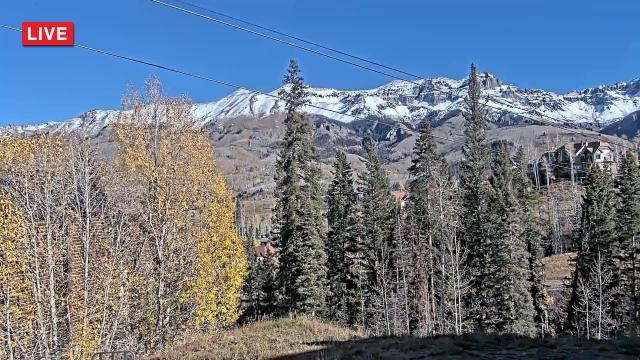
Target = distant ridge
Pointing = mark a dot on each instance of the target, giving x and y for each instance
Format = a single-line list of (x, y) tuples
[(433, 99)]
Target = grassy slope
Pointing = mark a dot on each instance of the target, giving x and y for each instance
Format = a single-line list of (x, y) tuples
[(262, 340), (304, 338)]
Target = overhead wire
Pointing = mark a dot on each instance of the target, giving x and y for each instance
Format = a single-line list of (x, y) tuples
[(239, 87), (297, 38), (232, 85), (305, 48)]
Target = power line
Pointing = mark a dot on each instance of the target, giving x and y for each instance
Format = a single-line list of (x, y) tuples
[(273, 38), (196, 6), (240, 87), (228, 84)]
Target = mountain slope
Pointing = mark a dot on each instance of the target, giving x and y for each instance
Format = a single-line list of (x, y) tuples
[(247, 128), (437, 98), (401, 102), (628, 127)]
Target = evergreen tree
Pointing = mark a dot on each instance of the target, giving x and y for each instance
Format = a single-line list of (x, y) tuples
[(260, 288), (344, 248), (596, 241), (528, 199), (427, 166), (475, 167), (628, 229), (378, 220), (509, 283), (298, 220)]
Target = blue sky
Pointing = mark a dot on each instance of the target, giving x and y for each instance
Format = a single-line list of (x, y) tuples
[(554, 45)]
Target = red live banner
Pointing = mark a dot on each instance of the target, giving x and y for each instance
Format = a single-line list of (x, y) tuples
[(46, 33)]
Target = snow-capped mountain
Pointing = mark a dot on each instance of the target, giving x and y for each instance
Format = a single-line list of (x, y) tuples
[(437, 98), (409, 103)]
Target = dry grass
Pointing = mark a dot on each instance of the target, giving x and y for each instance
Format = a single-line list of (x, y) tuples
[(262, 340), (305, 338), (558, 270)]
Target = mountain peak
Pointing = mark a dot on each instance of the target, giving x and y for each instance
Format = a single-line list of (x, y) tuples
[(489, 81), (407, 102)]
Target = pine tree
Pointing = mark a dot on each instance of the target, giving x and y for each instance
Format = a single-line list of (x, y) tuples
[(628, 230), (475, 169), (298, 213), (509, 283), (527, 200), (378, 219), (344, 247), (596, 241), (427, 165), (261, 288)]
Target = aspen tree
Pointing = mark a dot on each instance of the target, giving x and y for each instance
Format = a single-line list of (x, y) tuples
[(16, 301)]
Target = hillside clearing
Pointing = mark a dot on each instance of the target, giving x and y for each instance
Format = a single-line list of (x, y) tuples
[(305, 338), (262, 340)]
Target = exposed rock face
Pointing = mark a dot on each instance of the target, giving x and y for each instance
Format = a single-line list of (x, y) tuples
[(407, 103), (627, 127), (247, 128)]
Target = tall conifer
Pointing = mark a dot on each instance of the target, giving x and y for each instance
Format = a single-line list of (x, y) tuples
[(344, 247), (509, 285), (298, 214), (589, 310), (475, 167), (527, 199), (378, 219), (427, 166), (628, 255)]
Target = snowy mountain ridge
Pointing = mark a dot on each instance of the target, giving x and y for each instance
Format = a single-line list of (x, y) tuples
[(407, 102)]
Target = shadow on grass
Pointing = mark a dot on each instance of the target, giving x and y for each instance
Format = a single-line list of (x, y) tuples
[(472, 347)]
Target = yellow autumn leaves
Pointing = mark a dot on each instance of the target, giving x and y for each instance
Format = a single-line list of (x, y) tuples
[(17, 305), (125, 249), (189, 207)]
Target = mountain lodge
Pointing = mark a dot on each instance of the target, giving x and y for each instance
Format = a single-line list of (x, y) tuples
[(573, 160)]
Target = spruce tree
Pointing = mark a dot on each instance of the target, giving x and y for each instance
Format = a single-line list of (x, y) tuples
[(475, 167), (261, 289), (298, 214), (628, 255), (508, 283), (344, 248), (528, 199), (378, 220), (596, 239), (427, 166)]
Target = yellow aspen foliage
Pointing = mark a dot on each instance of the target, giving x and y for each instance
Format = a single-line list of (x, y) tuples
[(188, 209), (85, 341), (16, 331), (34, 174), (16, 151), (221, 264), (125, 252), (190, 194), (220, 269)]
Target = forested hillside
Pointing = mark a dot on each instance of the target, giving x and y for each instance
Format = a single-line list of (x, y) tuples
[(146, 247), (121, 254), (459, 250)]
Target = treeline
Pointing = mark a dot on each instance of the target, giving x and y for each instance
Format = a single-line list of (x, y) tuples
[(457, 254), (139, 248), (129, 252)]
